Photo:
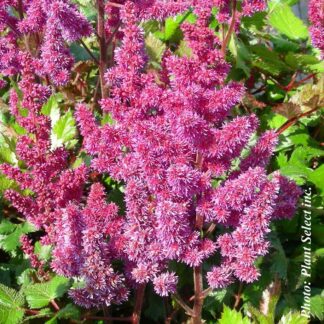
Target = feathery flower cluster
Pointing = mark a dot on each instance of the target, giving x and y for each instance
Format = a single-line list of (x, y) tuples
[(88, 242), (52, 185), (173, 143), (316, 17), (171, 140), (55, 22)]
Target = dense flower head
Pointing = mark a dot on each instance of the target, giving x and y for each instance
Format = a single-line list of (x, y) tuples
[(165, 283), (316, 17), (46, 173), (56, 22)]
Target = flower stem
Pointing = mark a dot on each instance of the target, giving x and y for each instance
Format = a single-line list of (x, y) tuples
[(230, 30), (102, 47), (138, 304), (198, 300)]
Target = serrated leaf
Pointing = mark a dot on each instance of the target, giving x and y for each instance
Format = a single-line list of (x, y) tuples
[(241, 54), (281, 159), (25, 277), (11, 240), (39, 295), (279, 260), (10, 305), (298, 173), (230, 316), (317, 307), (283, 45), (6, 183), (267, 60), (45, 312), (301, 61), (293, 318), (282, 18), (275, 121), (51, 106), (258, 316), (172, 30), (155, 48), (70, 311), (43, 251), (64, 130), (6, 227), (317, 177), (256, 21)]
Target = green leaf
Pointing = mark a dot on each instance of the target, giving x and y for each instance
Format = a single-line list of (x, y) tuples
[(172, 30), (258, 316), (279, 261), (256, 21), (317, 177), (275, 120), (302, 61), (283, 45), (183, 49), (230, 316), (70, 311), (43, 251), (45, 312), (80, 54), (64, 130), (10, 305), (11, 240), (39, 295), (319, 253), (6, 227), (155, 48), (282, 18), (267, 60), (52, 105), (298, 173), (293, 318), (281, 159), (317, 307), (6, 183), (241, 54)]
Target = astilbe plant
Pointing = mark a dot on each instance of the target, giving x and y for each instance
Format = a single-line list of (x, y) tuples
[(173, 143), (188, 165)]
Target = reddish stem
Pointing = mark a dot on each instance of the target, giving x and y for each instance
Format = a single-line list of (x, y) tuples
[(102, 47), (138, 304), (198, 300), (89, 51), (31, 311), (238, 296), (54, 304), (104, 318), (230, 30), (293, 120)]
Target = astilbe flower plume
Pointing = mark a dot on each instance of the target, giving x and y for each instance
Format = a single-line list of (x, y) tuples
[(173, 143), (52, 184), (316, 17), (169, 141), (56, 23)]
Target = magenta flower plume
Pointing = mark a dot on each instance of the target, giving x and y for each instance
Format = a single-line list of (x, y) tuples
[(316, 17), (168, 143), (186, 163)]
